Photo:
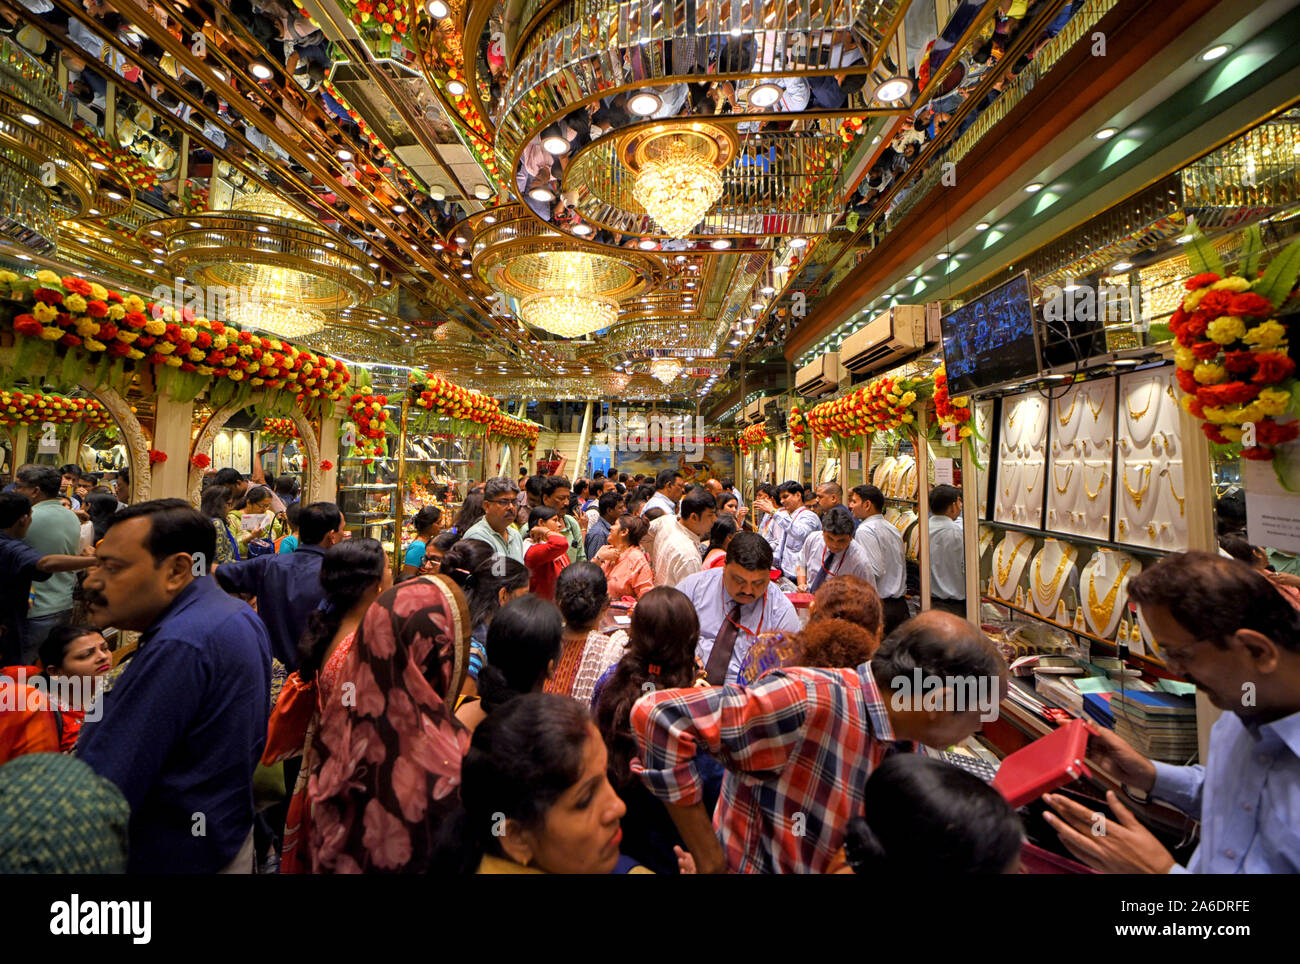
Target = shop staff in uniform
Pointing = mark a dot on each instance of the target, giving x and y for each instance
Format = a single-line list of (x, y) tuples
[(883, 545), (792, 524), (947, 554), (832, 552), (735, 603)]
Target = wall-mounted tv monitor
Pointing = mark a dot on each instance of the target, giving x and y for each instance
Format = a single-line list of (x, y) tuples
[(992, 340)]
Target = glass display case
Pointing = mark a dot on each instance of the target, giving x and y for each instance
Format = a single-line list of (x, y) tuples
[(439, 466), (368, 486)]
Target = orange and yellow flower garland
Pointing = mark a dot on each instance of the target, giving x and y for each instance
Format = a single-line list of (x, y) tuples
[(279, 428), (754, 437), (370, 420), (448, 400), (799, 432), (36, 408), (950, 411), (880, 406)]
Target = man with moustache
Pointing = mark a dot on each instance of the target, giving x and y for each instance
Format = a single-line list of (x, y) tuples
[(184, 727), (1222, 625)]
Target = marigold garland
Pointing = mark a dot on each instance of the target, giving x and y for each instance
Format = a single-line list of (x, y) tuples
[(754, 437), (200, 461), (950, 412), (280, 428), (1233, 359), (800, 434), (880, 406), (36, 408), (446, 399), (370, 420)]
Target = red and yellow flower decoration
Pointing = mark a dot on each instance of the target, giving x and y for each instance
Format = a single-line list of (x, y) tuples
[(446, 399), (950, 412), (754, 437), (880, 406), (800, 434), (36, 408), (370, 420), (1233, 357), (284, 428)]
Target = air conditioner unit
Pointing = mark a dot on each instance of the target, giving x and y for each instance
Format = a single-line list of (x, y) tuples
[(821, 377), (886, 339), (754, 411)]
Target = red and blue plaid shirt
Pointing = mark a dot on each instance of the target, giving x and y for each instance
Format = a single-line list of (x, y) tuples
[(798, 746)]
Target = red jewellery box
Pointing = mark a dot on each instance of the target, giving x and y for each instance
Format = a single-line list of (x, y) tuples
[(1045, 765)]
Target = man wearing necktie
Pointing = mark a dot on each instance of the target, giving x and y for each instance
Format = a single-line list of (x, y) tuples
[(735, 603), (833, 552)]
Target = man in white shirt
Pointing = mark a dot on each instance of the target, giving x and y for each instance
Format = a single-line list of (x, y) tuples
[(829, 495), (832, 552), (736, 603), (947, 552), (883, 546), (677, 545), (792, 524), (668, 489)]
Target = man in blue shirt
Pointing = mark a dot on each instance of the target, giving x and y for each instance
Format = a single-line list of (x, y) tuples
[(610, 507), (1222, 625), (287, 586), (183, 729)]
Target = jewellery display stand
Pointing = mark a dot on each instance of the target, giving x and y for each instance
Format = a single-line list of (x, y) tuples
[(1052, 578), (988, 535), (1102, 589), (983, 453), (1150, 494), (1022, 460), (1080, 484), (1008, 565)]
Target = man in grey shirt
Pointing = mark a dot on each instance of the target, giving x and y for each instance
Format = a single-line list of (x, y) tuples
[(55, 530)]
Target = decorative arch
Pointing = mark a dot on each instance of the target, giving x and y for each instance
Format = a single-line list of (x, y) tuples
[(217, 421), (137, 444)]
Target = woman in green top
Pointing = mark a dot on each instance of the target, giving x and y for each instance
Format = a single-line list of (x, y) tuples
[(215, 504), (257, 502), (427, 524)]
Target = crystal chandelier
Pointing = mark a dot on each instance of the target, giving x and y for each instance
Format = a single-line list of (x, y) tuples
[(666, 369), (677, 188), (568, 314), (283, 320)]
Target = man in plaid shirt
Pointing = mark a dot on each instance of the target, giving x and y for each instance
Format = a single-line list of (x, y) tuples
[(799, 744)]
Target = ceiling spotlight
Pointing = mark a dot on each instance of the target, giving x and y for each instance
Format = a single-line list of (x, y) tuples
[(942, 255), (767, 290), (765, 94), (540, 193), (456, 88), (798, 242), (260, 70), (582, 229), (30, 119), (1121, 266), (157, 260), (1183, 238), (482, 192), (374, 264), (399, 208), (757, 307), (1106, 133), (262, 229), (555, 144), (644, 103), (155, 232), (680, 259), (99, 165), (93, 212), (1215, 52), (893, 89), (459, 239), (437, 194), (386, 283), (465, 274), (1033, 188), (344, 154), (647, 244), (330, 245), (721, 244), (439, 10), (690, 284), (982, 226), (489, 220)]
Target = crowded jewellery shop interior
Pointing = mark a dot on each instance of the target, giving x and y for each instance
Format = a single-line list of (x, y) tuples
[(710, 350)]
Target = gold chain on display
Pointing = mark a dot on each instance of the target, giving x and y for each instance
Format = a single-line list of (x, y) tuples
[(1151, 393), (1107, 606), (1065, 419), (1047, 596), (1005, 571), (1140, 494), (1181, 498), (1096, 412), (1101, 483), (1029, 489), (1062, 489)]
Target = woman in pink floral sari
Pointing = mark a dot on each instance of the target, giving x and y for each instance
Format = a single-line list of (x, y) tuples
[(388, 750)]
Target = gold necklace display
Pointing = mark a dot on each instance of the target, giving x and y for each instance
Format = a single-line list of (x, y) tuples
[(1107, 605), (1180, 498), (1062, 489), (1047, 596), (1139, 494), (1065, 419), (1096, 412), (1029, 489), (1151, 394), (1005, 571), (1101, 483)]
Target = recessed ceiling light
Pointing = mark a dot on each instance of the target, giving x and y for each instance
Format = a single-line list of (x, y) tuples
[(555, 144), (465, 274), (1106, 133), (437, 194), (540, 193), (344, 154), (439, 10), (489, 220), (582, 229), (482, 192), (893, 89), (680, 259), (720, 244), (647, 244), (330, 245), (157, 260), (1215, 52), (374, 264), (690, 284), (399, 208), (1121, 266), (982, 226), (155, 232), (644, 103), (456, 88), (260, 70), (1033, 188), (765, 94), (30, 119), (767, 290), (93, 212), (99, 165), (459, 239), (1184, 238), (263, 229)]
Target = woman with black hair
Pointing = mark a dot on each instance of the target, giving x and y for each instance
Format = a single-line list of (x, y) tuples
[(535, 798), (523, 643), (580, 592), (549, 552), (471, 511), (493, 584), (215, 504), (724, 527), (437, 549), (427, 524), (75, 659), (923, 813), (462, 559), (353, 574), (101, 508)]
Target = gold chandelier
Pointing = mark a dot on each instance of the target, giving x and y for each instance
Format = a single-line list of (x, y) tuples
[(277, 318), (568, 314), (666, 369), (677, 187)]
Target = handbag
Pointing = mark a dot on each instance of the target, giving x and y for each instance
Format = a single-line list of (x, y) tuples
[(287, 728)]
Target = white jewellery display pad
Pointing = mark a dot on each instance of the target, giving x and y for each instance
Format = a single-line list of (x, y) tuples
[(1052, 577), (987, 535), (1079, 480), (1102, 592), (983, 432), (1021, 460), (1150, 497), (1007, 565), (221, 448)]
